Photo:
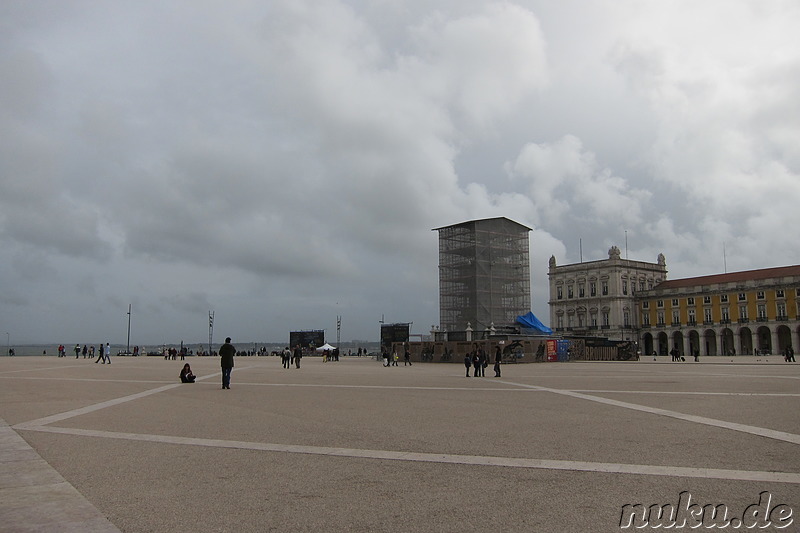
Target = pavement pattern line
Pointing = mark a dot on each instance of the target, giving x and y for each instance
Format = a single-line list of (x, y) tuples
[(391, 455), (102, 405), (35, 497), (688, 393), (410, 387), (753, 430)]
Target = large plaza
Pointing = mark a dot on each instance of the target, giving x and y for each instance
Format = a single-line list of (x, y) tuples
[(355, 446)]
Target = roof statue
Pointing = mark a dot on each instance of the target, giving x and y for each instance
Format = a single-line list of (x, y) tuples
[(662, 260), (614, 253)]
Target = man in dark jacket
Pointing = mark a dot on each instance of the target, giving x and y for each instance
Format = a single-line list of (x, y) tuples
[(226, 353)]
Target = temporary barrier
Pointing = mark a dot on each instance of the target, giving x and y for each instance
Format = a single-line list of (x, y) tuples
[(563, 350)]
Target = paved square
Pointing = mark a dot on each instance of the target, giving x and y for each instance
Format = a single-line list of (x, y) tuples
[(354, 446)]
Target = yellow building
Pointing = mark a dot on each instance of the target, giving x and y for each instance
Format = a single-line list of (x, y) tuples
[(746, 313)]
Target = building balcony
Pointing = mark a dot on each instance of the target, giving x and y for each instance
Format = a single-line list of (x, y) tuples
[(676, 324), (762, 319), (743, 321), (645, 326), (725, 321), (691, 323), (605, 327), (782, 318), (708, 322)]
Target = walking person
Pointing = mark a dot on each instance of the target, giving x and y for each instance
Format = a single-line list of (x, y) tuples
[(226, 353), (298, 354), (286, 356), (77, 351), (101, 356), (406, 358), (108, 354), (498, 357), (468, 362), (85, 350)]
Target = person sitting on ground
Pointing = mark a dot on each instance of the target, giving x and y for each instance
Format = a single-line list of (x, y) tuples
[(186, 374)]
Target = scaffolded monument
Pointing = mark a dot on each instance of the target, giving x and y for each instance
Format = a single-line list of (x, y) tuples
[(484, 274)]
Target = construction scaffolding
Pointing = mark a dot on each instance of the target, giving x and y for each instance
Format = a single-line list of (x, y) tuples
[(484, 274)]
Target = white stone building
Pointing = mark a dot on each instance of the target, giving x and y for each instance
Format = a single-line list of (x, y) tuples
[(597, 298)]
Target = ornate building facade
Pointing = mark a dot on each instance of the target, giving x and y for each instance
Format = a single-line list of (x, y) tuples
[(747, 313), (598, 298)]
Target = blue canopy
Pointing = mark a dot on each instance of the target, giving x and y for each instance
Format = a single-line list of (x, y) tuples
[(530, 321)]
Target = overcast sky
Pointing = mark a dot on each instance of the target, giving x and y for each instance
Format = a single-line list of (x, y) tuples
[(284, 162)]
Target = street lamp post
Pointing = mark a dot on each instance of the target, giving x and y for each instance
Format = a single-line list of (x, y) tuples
[(8, 343), (128, 349)]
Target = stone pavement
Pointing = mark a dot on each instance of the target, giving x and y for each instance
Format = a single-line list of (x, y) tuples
[(354, 446)]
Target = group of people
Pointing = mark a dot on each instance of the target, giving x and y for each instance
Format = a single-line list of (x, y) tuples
[(104, 351), (393, 360), (479, 360), (677, 357), (788, 354), (291, 356)]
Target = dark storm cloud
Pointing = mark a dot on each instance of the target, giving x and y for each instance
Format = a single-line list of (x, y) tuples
[(284, 163)]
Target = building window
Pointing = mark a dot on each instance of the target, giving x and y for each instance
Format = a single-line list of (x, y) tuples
[(626, 318), (641, 285), (762, 311), (692, 317), (581, 290), (779, 293), (742, 312), (706, 299), (650, 284), (760, 295), (781, 308), (726, 314), (569, 291), (797, 292), (624, 287), (604, 286), (707, 315), (676, 318), (593, 289), (660, 303), (560, 322), (645, 319), (742, 296), (645, 305), (605, 318), (723, 298), (674, 302), (690, 300), (660, 318), (593, 318), (559, 292)]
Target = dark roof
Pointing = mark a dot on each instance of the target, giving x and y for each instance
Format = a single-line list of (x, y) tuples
[(484, 220), (732, 277)]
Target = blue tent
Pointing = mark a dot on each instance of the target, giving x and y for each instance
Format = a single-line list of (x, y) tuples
[(530, 321)]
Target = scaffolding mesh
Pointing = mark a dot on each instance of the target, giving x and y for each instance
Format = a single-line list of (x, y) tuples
[(484, 274)]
